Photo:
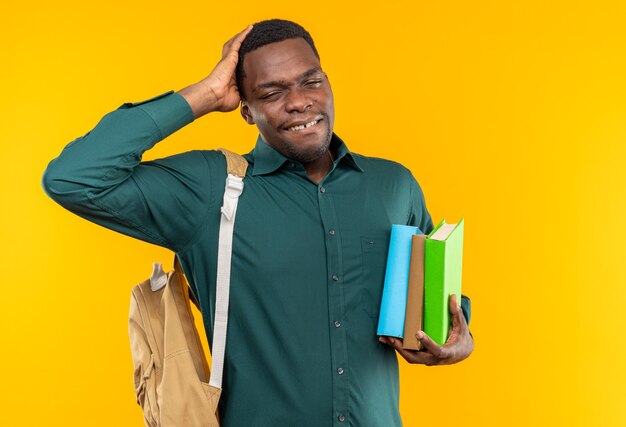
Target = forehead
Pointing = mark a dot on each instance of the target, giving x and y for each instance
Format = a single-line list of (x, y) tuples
[(284, 60)]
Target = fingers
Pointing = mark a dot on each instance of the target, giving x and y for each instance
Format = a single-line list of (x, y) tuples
[(391, 341), (411, 356), (452, 300), (431, 346), (418, 357), (233, 45), (456, 313), (454, 305)]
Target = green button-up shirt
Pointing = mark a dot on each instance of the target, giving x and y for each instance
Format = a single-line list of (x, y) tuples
[(308, 259)]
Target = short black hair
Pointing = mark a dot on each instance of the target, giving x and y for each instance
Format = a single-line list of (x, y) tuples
[(264, 33)]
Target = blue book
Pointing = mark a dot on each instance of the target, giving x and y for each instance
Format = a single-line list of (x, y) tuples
[(393, 303)]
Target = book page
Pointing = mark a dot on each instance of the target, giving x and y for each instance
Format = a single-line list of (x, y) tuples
[(443, 232)]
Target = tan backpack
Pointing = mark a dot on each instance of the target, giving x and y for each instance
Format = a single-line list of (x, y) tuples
[(173, 383)]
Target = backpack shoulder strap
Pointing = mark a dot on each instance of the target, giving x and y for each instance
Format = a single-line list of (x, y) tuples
[(236, 166), (235, 163)]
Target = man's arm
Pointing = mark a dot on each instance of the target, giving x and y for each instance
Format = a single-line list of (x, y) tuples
[(100, 177)]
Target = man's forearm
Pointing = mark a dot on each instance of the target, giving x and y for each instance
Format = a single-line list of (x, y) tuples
[(106, 155)]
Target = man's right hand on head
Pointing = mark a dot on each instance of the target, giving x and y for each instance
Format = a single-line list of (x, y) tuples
[(218, 91)]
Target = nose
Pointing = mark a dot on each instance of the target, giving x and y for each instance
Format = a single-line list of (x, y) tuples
[(298, 101)]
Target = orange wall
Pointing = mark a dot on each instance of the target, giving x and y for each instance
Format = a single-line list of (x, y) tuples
[(510, 114)]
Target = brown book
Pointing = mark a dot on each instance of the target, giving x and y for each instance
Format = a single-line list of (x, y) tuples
[(414, 318)]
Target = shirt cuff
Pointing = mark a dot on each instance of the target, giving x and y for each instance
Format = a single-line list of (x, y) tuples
[(169, 111)]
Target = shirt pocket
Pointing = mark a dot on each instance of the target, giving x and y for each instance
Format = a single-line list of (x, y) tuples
[(374, 262)]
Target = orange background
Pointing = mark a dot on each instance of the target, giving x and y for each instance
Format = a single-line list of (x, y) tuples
[(510, 115)]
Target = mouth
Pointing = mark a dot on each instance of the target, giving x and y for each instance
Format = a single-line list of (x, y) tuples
[(302, 126)]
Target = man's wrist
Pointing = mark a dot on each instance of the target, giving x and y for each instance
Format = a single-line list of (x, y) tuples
[(168, 111), (200, 99)]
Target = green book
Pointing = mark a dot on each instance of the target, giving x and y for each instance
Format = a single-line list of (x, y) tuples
[(443, 261)]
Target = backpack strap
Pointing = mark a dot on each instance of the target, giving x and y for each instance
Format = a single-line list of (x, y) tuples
[(236, 167), (235, 164)]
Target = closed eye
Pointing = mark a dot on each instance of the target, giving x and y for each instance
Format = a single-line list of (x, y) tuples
[(269, 95)]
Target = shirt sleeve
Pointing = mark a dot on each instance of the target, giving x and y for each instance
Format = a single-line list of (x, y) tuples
[(419, 216), (100, 176)]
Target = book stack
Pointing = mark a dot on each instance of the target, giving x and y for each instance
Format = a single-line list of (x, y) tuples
[(422, 272)]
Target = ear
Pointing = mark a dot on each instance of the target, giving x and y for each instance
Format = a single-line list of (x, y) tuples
[(245, 113)]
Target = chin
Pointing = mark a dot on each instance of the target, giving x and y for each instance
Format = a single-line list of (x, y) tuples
[(309, 155), (306, 152)]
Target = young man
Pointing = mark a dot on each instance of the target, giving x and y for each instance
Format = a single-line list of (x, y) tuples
[(311, 235)]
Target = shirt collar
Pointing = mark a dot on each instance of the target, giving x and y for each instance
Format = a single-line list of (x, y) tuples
[(266, 159)]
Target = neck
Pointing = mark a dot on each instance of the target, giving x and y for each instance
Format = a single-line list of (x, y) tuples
[(318, 168)]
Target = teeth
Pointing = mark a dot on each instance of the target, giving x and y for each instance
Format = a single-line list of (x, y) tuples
[(304, 126)]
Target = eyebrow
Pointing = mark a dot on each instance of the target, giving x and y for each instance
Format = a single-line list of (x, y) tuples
[(283, 83)]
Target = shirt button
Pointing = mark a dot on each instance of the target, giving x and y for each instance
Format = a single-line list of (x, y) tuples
[(322, 190), (337, 323), (331, 231), (341, 418), (340, 371), (335, 277)]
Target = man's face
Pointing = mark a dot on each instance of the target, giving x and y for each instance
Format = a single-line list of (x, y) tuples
[(288, 97)]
